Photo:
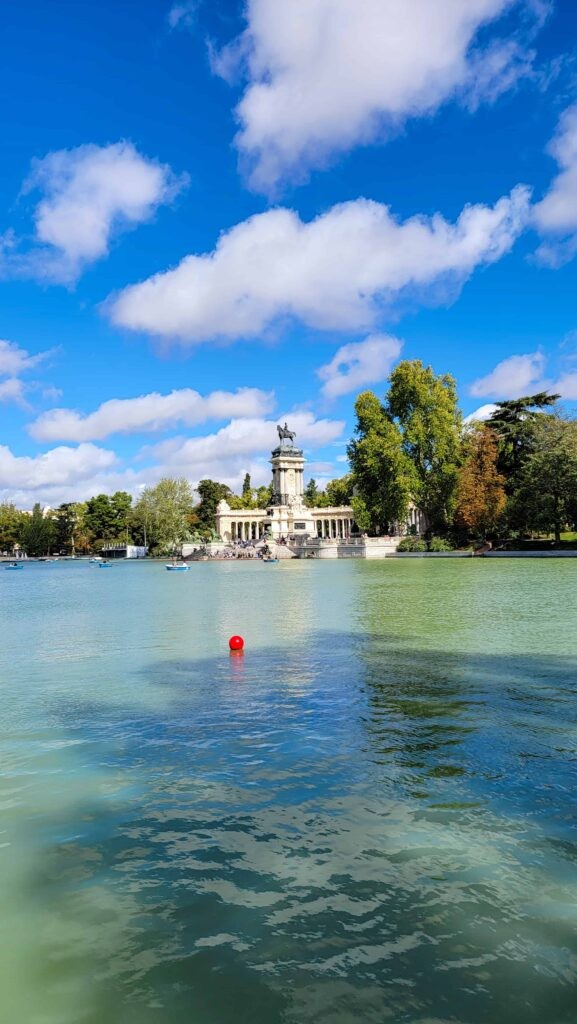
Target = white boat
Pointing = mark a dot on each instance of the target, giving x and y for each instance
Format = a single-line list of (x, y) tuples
[(178, 567)]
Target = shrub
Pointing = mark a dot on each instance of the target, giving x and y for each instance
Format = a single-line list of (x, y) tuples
[(412, 544), (440, 544)]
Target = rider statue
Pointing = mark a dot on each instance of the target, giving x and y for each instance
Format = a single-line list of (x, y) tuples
[(285, 434)]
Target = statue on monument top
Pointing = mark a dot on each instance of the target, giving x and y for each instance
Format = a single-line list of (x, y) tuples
[(285, 434)]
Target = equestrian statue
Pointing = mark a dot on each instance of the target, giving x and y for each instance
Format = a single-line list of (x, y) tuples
[(285, 434)]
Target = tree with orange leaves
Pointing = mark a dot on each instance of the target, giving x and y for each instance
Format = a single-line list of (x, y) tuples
[(481, 488)]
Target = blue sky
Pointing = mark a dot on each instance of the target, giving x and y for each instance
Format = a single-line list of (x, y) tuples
[(215, 215)]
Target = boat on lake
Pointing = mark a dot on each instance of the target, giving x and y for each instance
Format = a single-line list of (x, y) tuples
[(105, 565), (177, 567), (270, 559), (13, 565)]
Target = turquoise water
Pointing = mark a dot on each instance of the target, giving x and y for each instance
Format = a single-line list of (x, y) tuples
[(369, 817)]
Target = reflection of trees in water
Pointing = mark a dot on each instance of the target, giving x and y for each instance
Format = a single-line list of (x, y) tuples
[(287, 847)]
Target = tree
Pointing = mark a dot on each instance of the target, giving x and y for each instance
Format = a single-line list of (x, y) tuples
[(165, 512), (546, 497), (211, 493), (247, 495), (424, 407), (39, 533), (340, 491), (514, 422), (481, 488), (101, 518), (12, 524), (263, 496), (383, 474), (121, 508), (311, 494)]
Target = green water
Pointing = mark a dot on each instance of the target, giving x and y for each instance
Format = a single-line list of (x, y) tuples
[(369, 817)]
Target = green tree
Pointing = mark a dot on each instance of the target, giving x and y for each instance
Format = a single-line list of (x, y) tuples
[(39, 533), (546, 496), (340, 491), (514, 424), (263, 496), (121, 509), (481, 488), (423, 405), (165, 513), (247, 494), (101, 518), (311, 494), (12, 525), (384, 476), (210, 493)]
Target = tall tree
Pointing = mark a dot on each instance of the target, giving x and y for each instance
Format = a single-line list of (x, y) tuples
[(101, 518), (481, 495), (210, 493), (514, 423), (12, 525), (39, 533), (247, 495), (546, 497), (121, 507), (383, 474), (424, 407), (340, 491), (311, 494), (165, 512)]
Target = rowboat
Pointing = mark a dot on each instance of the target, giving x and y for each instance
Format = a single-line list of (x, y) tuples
[(270, 559), (105, 565), (13, 565), (178, 567)]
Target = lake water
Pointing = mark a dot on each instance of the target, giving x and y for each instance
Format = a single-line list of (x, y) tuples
[(370, 816)]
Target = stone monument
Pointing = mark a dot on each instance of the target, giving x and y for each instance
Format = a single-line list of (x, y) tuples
[(287, 514)]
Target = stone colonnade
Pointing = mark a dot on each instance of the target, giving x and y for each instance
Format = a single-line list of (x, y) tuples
[(334, 526), (246, 529)]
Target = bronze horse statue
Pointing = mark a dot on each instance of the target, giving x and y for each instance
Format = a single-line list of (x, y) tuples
[(285, 434)]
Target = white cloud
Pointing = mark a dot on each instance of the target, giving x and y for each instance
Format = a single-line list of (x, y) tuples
[(183, 15), (241, 446), (514, 376), (15, 360), (566, 386), (149, 413), (90, 194), (484, 412), (327, 75), (12, 390), (336, 272), (74, 474), (59, 468), (360, 363), (555, 217)]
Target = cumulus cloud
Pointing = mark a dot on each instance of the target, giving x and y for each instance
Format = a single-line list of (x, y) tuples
[(12, 390), (15, 360), (360, 363), (326, 75), (89, 195), (149, 413), (555, 217), (484, 412), (60, 467), (514, 376), (337, 272), (243, 445), (74, 474)]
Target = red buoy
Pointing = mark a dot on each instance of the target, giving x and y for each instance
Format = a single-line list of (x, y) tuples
[(236, 643)]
